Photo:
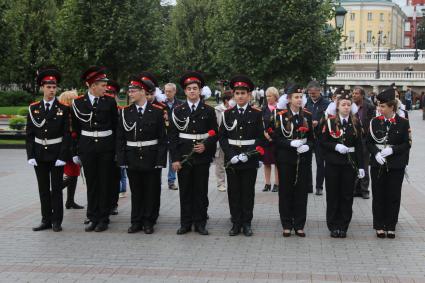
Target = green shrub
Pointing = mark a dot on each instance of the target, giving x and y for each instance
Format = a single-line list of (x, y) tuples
[(15, 98), (23, 111), (17, 123)]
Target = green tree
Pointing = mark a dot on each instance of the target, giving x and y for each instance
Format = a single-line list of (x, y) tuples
[(420, 37)]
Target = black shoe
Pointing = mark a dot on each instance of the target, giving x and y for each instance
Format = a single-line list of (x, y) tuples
[(73, 206), (391, 235), (134, 228), (319, 192), (343, 234), (286, 233), (114, 210), (300, 233), (365, 196), (56, 227), (201, 230), (148, 229), (247, 231), (101, 227), (267, 188), (183, 230), (275, 188), (335, 234), (86, 221), (90, 226), (380, 235), (42, 226), (236, 229), (172, 187)]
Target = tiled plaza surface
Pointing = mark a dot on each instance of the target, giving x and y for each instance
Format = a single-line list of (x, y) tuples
[(115, 256)]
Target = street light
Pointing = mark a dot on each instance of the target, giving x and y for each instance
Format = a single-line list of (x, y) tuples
[(340, 13), (383, 41)]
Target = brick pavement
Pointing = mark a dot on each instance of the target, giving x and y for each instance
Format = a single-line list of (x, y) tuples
[(114, 256)]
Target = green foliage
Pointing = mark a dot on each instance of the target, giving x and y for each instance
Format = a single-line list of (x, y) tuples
[(23, 111), (17, 123), (15, 98), (421, 34)]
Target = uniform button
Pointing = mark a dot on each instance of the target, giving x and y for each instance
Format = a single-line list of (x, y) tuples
[(240, 137), (240, 128), (193, 121), (194, 131), (140, 130), (141, 157), (45, 147), (96, 140), (95, 123), (45, 131)]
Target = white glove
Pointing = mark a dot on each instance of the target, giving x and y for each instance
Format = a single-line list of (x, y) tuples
[(76, 160), (234, 159), (242, 157), (361, 174), (157, 167), (341, 148), (260, 164), (125, 166), (380, 159), (32, 162), (59, 163), (296, 143), (302, 149), (386, 152)]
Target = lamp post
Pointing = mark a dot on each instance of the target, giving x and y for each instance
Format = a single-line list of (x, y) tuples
[(383, 41)]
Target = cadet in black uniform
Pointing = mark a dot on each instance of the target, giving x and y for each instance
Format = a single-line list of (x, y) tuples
[(47, 142), (293, 136), (389, 143), (189, 127), (94, 118), (341, 141), (241, 131), (142, 148)]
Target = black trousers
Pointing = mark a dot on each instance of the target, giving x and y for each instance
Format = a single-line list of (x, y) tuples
[(193, 189), (362, 185), (49, 180), (115, 192), (157, 196), (99, 172), (241, 194), (320, 169), (386, 193), (292, 197), (339, 196), (145, 188), (70, 182)]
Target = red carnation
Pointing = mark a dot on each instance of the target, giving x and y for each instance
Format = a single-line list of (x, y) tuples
[(392, 120), (211, 133), (381, 118), (338, 133), (303, 129), (270, 130), (260, 150)]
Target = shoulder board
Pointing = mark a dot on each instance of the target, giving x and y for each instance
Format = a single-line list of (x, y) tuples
[(122, 107), (306, 111), (63, 103), (157, 106), (79, 97), (255, 108), (282, 112), (331, 117), (110, 95), (179, 106), (35, 103), (231, 108), (404, 118)]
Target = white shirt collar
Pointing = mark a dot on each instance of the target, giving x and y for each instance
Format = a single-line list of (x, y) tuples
[(91, 97), (50, 102), (143, 107), (196, 104), (244, 107), (342, 118), (390, 118)]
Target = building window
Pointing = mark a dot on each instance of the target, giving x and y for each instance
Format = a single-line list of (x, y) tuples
[(351, 36), (381, 17), (369, 36), (369, 16), (352, 16), (407, 26), (406, 41)]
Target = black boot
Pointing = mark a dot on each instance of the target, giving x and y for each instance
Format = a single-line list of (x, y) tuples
[(71, 183), (267, 188)]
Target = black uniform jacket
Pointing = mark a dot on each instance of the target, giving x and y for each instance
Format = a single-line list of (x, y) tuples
[(54, 124), (202, 120), (285, 153), (249, 127), (351, 137), (398, 138), (149, 127), (86, 118)]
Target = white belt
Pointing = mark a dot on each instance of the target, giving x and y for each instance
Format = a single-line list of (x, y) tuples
[(382, 146), (351, 149), (48, 142), (241, 142), (193, 137), (142, 143), (97, 134)]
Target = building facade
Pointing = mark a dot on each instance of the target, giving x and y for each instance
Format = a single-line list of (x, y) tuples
[(414, 9)]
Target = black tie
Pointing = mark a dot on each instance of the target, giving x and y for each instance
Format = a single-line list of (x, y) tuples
[(95, 102), (47, 107), (296, 118), (241, 111), (140, 112), (193, 108), (344, 123)]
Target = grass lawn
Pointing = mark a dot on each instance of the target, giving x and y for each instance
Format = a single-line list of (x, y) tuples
[(12, 141), (10, 110)]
